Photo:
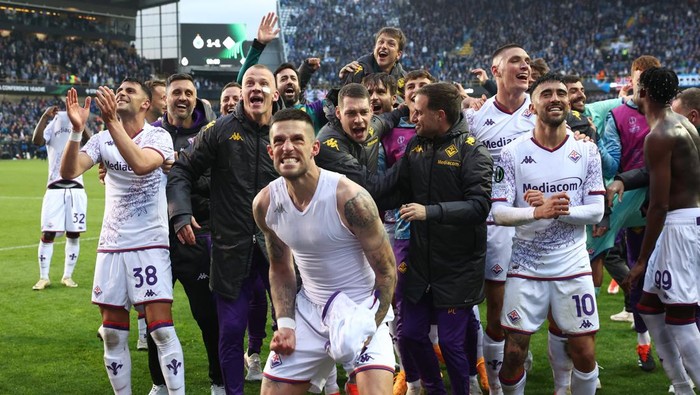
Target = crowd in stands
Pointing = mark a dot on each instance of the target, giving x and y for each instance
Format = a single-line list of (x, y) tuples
[(594, 39), (61, 61), (17, 122), (64, 21)]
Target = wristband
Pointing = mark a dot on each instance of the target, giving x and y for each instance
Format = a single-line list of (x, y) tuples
[(286, 322), (76, 136)]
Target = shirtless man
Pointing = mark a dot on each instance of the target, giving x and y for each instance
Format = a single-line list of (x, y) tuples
[(670, 246)]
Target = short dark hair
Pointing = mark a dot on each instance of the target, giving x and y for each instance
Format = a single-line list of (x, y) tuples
[(549, 77), (151, 84), (354, 91), (385, 79), (233, 84), (292, 114), (443, 96), (690, 98), (417, 74), (660, 83), (285, 66), (393, 32), (143, 86), (570, 79), (180, 77), (503, 48)]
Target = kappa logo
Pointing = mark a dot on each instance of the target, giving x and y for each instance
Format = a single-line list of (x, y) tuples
[(585, 324), (97, 291), (513, 316), (202, 276), (109, 142), (497, 269), (528, 160), (364, 358), (280, 209), (275, 361), (236, 137), (150, 293), (470, 140), (451, 150), (417, 149), (574, 156), (489, 122), (332, 143)]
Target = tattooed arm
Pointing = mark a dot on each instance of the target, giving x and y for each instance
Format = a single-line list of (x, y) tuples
[(283, 283), (360, 215)]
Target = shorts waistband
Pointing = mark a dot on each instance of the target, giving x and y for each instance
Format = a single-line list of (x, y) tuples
[(683, 216)]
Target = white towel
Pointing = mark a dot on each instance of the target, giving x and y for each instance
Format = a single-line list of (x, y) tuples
[(349, 327)]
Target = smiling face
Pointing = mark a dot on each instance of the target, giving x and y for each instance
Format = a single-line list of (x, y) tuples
[(550, 102), (229, 99), (182, 97), (292, 148), (386, 51), (259, 92), (131, 99), (410, 90), (159, 103), (426, 120), (577, 96), (288, 86), (512, 70), (355, 115)]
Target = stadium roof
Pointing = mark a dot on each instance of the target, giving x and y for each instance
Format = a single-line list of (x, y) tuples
[(111, 7)]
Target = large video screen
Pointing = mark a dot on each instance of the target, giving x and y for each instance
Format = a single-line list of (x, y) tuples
[(212, 44)]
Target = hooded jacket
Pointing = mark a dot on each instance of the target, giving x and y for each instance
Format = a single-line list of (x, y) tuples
[(451, 176)]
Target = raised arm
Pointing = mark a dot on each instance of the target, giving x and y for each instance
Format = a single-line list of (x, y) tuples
[(283, 283), (74, 162), (38, 135), (266, 33), (360, 215)]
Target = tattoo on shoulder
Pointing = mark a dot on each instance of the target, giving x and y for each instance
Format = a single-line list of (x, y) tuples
[(360, 211)]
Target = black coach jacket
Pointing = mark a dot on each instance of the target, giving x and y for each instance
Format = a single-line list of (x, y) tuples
[(235, 148), (451, 176)]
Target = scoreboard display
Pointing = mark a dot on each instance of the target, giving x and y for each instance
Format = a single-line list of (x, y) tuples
[(216, 45)]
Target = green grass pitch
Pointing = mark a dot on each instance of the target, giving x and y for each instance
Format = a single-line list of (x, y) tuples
[(47, 338)]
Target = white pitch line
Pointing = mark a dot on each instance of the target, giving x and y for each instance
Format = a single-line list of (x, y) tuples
[(22, 197), (37, 244)]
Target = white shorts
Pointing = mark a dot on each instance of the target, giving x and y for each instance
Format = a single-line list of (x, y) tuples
[(64, 210), (499, 246), (527, 302), (311, 363), (674, 266), (132, 278)]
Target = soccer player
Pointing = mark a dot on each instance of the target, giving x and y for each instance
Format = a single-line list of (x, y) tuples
[(550, 189), (160, 103), (352, 240), (65, 202), (503, 118), (669, 253), (133, 264)]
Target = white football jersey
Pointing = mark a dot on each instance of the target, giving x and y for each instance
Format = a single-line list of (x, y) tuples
[(56, 135), (495, 127), (549, 248), (136, 215)]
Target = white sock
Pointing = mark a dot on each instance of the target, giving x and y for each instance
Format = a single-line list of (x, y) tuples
[(142, 326), (560, 361), (493, 356), (584, 383), (413, 387), (643, 338), (687, 339), (433, 335), (515, 389), (72, 252), (666, 348), (480, 335), (117, 358), (171, 359), (45, 254)]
